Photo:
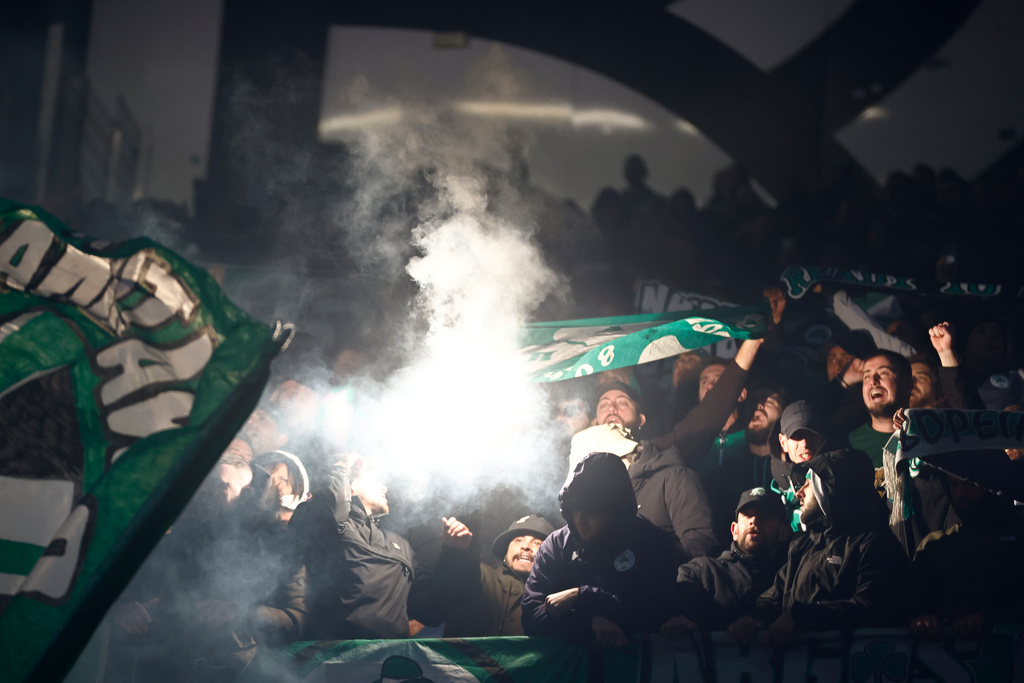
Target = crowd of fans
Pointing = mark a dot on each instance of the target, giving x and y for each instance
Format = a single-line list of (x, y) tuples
[(748, 494)]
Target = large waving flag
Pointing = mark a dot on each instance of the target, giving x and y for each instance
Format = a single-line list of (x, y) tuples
[(124, 373), (573, 348)]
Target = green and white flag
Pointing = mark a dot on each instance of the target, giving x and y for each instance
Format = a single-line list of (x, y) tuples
[(969, 444), (452, 660), (573, 348), (860, 656), (798, 280), (124, 373), (929, 432)]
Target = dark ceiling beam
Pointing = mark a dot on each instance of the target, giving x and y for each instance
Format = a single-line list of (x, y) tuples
[(780, 125)]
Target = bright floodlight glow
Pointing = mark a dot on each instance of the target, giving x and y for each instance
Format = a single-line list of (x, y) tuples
[(874, 113), (609, 118), (686, 127), (356, 122), (555, 113), (513, 110)]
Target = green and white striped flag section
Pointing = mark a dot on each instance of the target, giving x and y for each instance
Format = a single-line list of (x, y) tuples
[(860, 656), (124, 373), (573, 348)]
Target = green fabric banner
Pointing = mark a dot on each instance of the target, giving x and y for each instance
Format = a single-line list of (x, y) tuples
[(573, 348), (862, 656), (799, 280), (125, 374), (462, 660)]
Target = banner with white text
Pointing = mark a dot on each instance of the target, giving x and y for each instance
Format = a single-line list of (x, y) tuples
[(125, 374), (573, 348), (798, 280)]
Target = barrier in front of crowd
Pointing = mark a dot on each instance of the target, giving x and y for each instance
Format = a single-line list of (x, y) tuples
[(862, 656)]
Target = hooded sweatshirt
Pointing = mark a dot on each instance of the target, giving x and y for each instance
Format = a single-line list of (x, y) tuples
[(625, 575), (848, 570)]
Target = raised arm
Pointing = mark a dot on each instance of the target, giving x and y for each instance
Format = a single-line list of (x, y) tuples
[(960, 394), (695, 433)]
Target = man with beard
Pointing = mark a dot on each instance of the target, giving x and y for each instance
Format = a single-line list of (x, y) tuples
[(888, 381), (470, 597), (667, 492), (709, 433), (712, 592), (848, 571), (751, 468), (927, 391)]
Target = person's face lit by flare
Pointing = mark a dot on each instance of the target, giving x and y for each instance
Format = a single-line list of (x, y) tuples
[(521, 551), (371, 493), (802, 446), (615, 406), (708, 379), (880, 388)]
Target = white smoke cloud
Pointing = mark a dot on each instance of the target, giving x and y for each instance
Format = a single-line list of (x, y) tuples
[(423, 211), (459, 409)]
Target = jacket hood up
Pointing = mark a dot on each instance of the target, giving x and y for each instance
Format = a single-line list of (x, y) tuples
[(598, 482), (843, 482)]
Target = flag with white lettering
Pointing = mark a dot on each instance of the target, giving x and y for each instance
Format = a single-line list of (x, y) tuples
[(969, 444), (125, 372), (573, 348), (798, 280)]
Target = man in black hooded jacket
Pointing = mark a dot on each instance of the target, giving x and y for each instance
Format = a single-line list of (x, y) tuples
[(608, 572), (848, 571)]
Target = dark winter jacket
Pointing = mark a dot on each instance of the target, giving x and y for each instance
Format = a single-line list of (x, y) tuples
[(848, 570), (471, 598), (626, 575), (670, 496), (359, 575), (715, 591)]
